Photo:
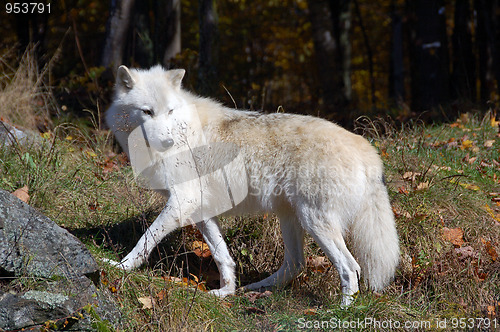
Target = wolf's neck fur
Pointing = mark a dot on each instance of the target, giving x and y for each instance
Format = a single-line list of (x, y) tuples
[(212, 111)]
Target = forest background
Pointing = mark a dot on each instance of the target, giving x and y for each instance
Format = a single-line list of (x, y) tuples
[(402, 61), (338, 59)]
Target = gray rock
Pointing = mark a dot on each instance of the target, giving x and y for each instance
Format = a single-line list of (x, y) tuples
[(65, 303), (9, 135), (33, 245), (58, 266)]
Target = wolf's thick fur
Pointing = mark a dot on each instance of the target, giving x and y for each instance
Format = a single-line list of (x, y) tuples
[(314, 175)]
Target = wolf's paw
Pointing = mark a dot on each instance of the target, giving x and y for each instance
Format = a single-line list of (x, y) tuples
[(116, 264), (222, 292), (347, 300)]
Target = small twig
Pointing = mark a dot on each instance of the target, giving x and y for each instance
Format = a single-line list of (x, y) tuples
[(455, 176), (373, 131), (403, 159), (428, 168)]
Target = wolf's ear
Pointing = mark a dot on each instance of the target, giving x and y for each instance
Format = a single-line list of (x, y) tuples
[(124, 78), (175, 76)]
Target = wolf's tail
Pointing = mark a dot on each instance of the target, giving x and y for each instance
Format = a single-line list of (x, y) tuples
[(374, 238)]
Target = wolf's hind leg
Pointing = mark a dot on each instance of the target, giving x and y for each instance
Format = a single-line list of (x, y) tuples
[(293, 238), (211, 234), (328, 236)]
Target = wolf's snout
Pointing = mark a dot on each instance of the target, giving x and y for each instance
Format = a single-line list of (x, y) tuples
[(167, 143)]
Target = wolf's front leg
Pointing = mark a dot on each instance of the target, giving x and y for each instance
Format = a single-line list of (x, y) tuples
[(166, 222), (211, 234)]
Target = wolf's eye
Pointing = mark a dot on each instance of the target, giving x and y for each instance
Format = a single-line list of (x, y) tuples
[(170, 112), (148, 111)]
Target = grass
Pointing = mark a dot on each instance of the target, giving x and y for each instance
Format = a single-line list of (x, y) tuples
[(25, 99), (440, 178)]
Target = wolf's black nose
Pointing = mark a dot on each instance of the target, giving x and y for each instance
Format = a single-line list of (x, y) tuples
[(167, 143)]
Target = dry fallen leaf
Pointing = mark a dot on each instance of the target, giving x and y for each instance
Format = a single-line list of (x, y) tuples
[(490, 249), (172, 279), (453, 235), (480, 275), (200, 249), (310, 312), (22, 194), (147, 302), (403, 190), (440, 168), (466, 252), (462, 302), (185, 282), (400, 213), (489, 143), (472, 160), (161, 295), (90, 153), (318, 264), (252, 296), (422, 185), (255, 310), (491, 310), (410, 176), (467, 144), (494, 122), (469, 186), (104, 279), (490, 211)]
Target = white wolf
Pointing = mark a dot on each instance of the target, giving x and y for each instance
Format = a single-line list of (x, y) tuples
[(314, 175)]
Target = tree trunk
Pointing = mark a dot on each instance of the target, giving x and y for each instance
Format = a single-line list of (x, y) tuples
[(496, 54), (396, 76), (168, 34), (486, 47), (118, 24), (464, 68), (369, 53), (330, 74), (342, 22), (429, 55), (140, 46), (31, 29), (207, 72)]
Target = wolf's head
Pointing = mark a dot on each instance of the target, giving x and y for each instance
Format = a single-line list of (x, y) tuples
[(146, 99), (158, 124)]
